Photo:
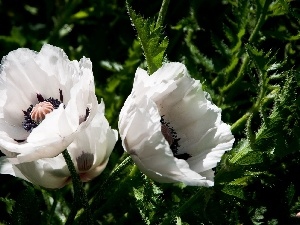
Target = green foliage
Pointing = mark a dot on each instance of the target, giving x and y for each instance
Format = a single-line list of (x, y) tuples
[(147, 197), (149, 35), (26, 209), (277, 138), (245, 54), (9, 204)]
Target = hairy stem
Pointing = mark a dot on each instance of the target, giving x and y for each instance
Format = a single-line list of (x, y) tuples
[(80, 197), (260, 21), (123, 186)]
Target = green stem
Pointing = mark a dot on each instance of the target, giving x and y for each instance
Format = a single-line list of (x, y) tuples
[(116, 171), (72, 214), (260, 21), (260, 102), (112, 180), (240, 122), (121, 187), (80, 197), (239, 77), (162, 13), (254, 33), (133, 171), (53, 206)]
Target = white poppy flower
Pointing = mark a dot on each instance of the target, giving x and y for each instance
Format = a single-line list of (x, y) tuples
[(45, 99), (171, 130), (89, 152)]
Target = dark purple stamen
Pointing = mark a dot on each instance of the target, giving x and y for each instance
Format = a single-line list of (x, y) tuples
[(174, 143), (54, 102), (87, 113), (84, 117), (61, 97), (184, 156), (28, 123), (40, 97), (19, 141)]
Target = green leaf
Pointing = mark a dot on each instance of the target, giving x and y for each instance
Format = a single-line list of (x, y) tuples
[(16, 36), (147, 197), (234, 190), (259, 215), (261, 60), (251, 158), (246, 156), (9, 203), (279, 133), (151, 39)]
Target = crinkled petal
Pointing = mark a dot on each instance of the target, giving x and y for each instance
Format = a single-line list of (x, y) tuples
[(212, 149), (148, 148), (172, 94), (24, 74)]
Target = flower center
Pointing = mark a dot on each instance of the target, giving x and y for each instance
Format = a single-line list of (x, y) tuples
[(172, 138), (83, 118), (34, 115), (85, 161), (39, 111)]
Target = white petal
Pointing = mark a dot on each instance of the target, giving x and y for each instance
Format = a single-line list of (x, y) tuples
[(48, 173), (212, 149), (56, 64), (13, 131), (92, 173), (105, 136), (7, 168), (149, 149), (24, 74), (98, 139), (170, 92), (164, 167)]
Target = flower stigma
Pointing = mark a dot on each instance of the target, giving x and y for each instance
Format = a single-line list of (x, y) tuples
[(39, 111), (171, 136), (34, 115)]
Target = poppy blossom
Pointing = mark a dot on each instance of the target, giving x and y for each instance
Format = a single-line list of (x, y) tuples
[(89, 152), (45, 100), (172, 131)]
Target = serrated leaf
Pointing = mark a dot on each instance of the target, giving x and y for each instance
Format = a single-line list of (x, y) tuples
[(243, 181), (278, 133), (251, 158), (234, 190), (259, 58), (241, 152), (151, 39)]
